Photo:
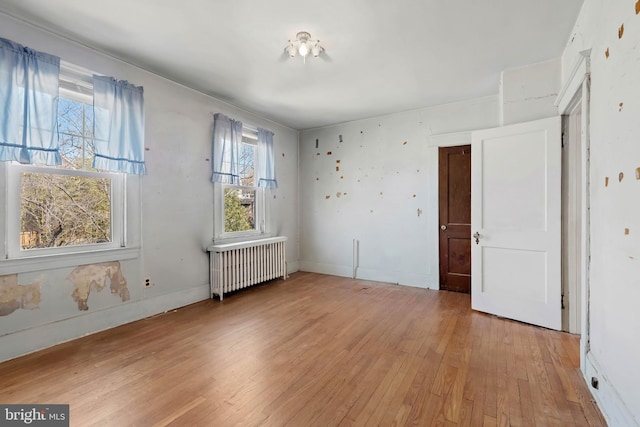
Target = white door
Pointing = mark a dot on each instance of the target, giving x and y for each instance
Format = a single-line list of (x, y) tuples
[(515, 211)]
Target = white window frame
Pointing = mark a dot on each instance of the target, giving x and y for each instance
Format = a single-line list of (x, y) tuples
[(76, 83), (14, 171), (260, 219)]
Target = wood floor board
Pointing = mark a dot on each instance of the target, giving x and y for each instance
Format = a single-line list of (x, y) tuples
[(314, 350)]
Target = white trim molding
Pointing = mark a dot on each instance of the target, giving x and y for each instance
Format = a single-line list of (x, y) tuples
[(434, 142), (573, 83), (609, 401)]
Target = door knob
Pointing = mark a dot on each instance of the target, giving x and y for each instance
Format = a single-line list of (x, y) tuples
[(443, 227), (476, 236)]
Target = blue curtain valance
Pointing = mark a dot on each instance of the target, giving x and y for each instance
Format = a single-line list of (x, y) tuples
[(227, 136), (28, 105), (265, 164), (118, 126)]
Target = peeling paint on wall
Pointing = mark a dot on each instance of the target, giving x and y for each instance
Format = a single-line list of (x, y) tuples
[(338, 194), (404, 143), (419, 212), (337, 161), (638, 169), (328, 153), (606, 181), (620, 177), (327, 196), (626, 231), (14, 296), (94, 276), (620, 31), (638, 7), (606, 52), (620, 106)]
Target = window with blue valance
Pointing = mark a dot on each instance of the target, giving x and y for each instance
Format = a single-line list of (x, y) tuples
[(243, 169), (227, 139)]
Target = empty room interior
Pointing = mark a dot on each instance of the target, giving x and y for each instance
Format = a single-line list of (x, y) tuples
[(341, 213)]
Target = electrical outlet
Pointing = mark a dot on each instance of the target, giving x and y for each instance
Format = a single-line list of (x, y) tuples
[(147, 282)]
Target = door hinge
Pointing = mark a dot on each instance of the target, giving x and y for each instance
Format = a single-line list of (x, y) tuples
[(562, 301), (562, 140)]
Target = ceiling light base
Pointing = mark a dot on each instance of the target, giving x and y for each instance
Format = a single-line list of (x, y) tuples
[(303, 45)]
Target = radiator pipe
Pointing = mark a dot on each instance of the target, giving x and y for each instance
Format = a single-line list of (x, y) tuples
[(356, 257)]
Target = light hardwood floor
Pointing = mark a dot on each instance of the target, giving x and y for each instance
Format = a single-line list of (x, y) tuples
[(313, 350)]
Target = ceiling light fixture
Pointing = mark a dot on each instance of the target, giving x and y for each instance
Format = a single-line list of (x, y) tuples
[(303, 45)]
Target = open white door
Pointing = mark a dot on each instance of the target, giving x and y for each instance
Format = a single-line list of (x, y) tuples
[(515, 211)]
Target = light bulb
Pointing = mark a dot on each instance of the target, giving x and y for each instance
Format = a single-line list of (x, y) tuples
[(303, 49)]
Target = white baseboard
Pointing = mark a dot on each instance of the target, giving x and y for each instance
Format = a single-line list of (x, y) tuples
[(40, 337), (334, 270), (609, 401), (366, 274), (173, 300), (292, 267)]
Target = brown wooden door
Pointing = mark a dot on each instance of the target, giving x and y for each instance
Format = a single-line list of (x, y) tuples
[(454, 195)]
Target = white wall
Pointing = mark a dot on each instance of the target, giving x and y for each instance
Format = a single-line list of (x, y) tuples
[(384, 194), (615, 149), (528, 93), (176, 199)]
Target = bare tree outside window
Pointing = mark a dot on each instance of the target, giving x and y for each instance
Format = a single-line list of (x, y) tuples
[(240, 202), (72, 208)]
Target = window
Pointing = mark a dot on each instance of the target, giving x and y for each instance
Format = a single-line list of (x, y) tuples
[(71, 207), (243, 204)]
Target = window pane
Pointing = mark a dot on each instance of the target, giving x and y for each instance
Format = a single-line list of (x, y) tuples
[(246, 164), (75, 129), (70, 117), (239, 210), (88, 120), (71, 151), (63, 210)]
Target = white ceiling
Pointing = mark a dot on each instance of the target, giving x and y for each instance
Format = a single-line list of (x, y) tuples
[(381, 56)]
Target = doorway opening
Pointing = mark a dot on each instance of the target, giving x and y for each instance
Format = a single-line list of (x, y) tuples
[(454, 206), (572, 217)]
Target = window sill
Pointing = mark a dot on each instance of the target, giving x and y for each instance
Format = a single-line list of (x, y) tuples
[(50, 262)]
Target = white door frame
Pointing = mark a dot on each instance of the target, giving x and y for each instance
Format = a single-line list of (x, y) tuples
[(433, 235), (577, 86)]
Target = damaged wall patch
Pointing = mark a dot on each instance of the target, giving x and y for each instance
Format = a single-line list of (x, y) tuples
[(14, 296), (94, 276)]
